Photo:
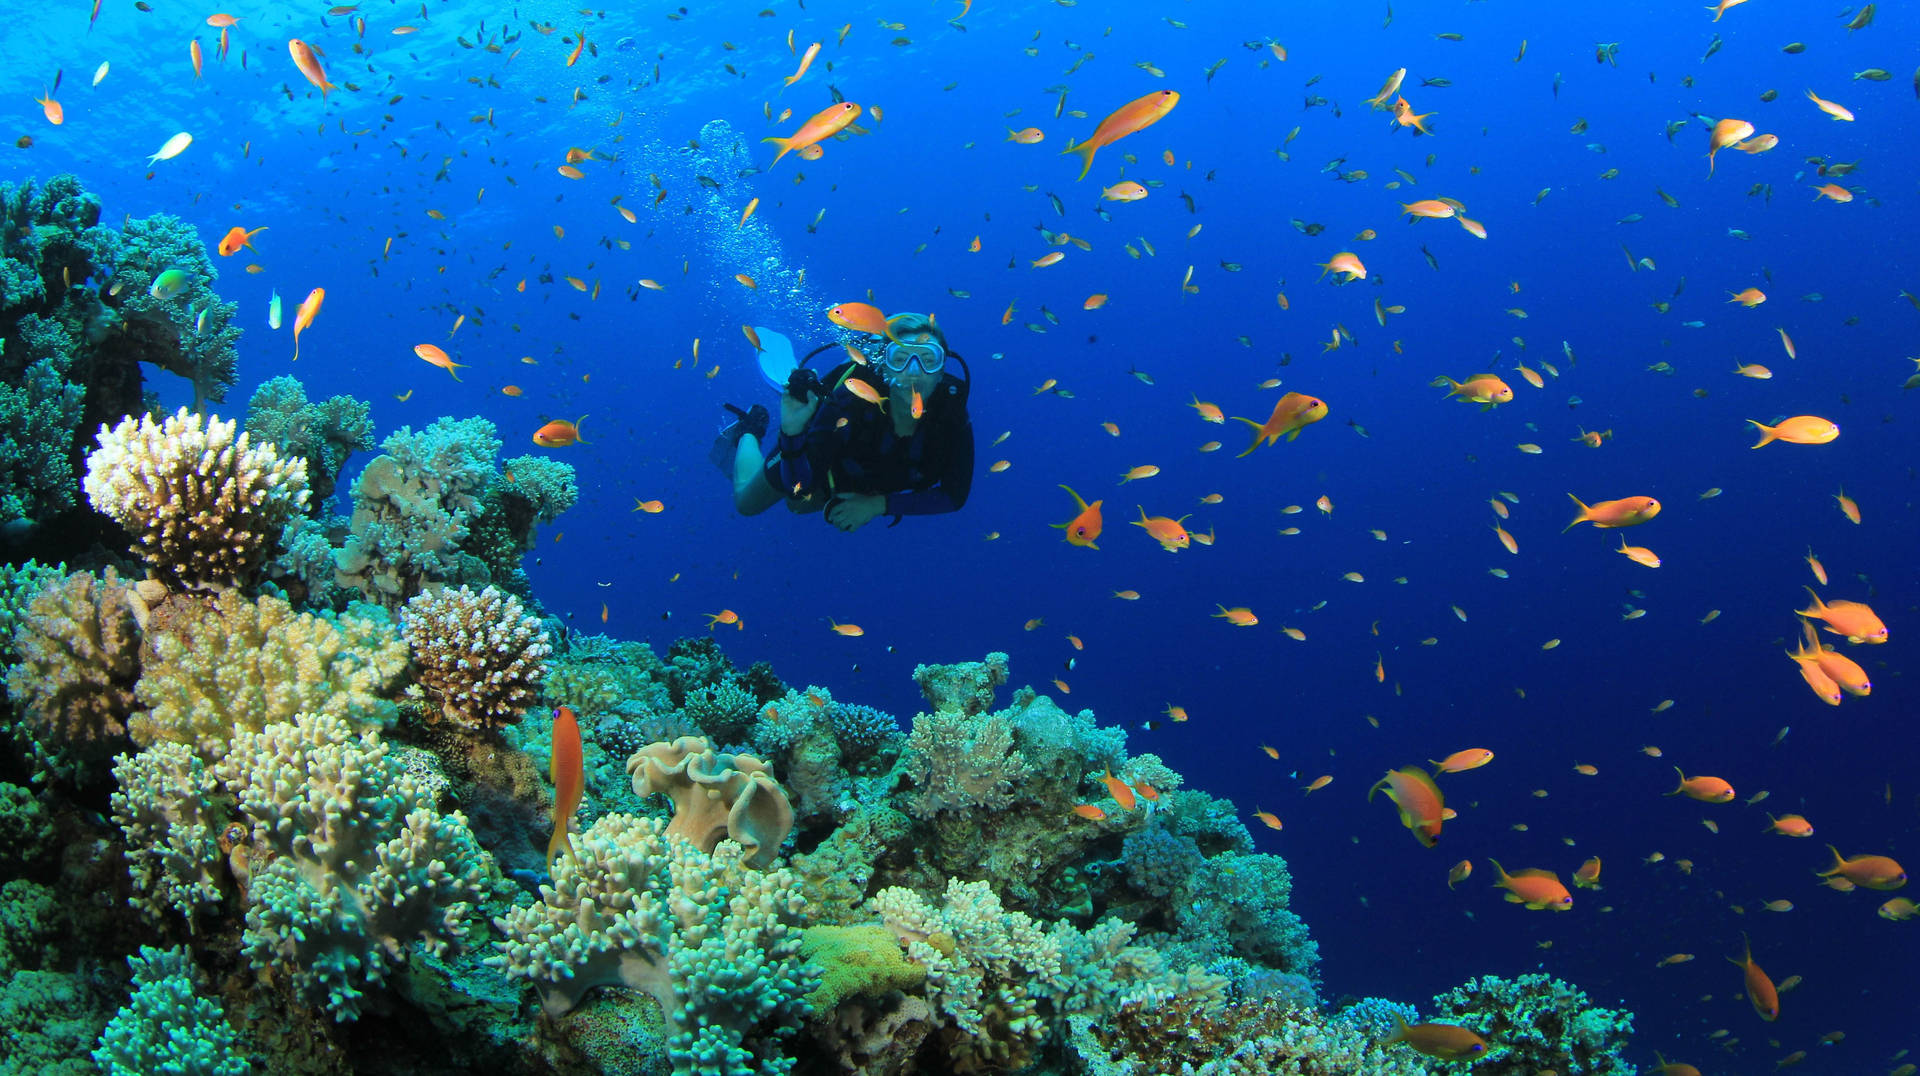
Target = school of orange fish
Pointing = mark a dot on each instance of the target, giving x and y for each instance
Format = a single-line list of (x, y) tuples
[(1825, 665)]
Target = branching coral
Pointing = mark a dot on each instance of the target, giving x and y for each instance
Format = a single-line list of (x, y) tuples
[(961, 762), (481, 658), (73, 685), (38, 421), (240, 665), (324, 433), (205, 506), (1538, 1022), (167, 1026), (164, 805), (966, 687), (352, 864), (708, 938), (716, 796)]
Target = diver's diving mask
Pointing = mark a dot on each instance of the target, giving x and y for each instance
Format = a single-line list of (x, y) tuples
[(927, 352)]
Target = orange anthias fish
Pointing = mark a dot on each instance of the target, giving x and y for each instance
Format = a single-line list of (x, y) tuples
[(1760, 990), (825, 124), (1471, 758), (1168, 532), (861, 318), (1704, 789), (1487, 390), (303, 317), (1448, 1042), (308, 62), (1294, 412), (725, 616), (1422, 807), (236, 239), (1625, 512), (560, 433), (1840, 670), (1084, 528), (1588, 876), (1118, 789), (569, 780), (1854, 620), (440, 358), (1867, 872), (1789, 825), (1537, 889), (1135, 115), (1724, 134), (1798, 430)]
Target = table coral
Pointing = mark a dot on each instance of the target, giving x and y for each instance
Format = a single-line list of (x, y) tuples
[(73, 685), (480, 657), (716, 795), (710, 939), (348, 865), (167, 1026), (240, 665), (205, 506)]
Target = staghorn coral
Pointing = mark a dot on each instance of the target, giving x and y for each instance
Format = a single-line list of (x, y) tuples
[(348, 865), (165, 806), (240, 665), (205, 507), (1538, 1022), (73, 685), (705, 936), (324, 433), (167, 1027), (481, 658), (716, 796)]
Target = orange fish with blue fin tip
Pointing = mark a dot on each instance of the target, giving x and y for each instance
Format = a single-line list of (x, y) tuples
[(236, 239), (1854, 620), (1136, 115), (569, 780), (1760, 989), (1294, 412), (1169, 532), (1867, 872), (1798, 430), (1625, 512), (1083, 529), (1421, 805), (1448, 1042), (1842, 671), (1537, 889), (560, 433)]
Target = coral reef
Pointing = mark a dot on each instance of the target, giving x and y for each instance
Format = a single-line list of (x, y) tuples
[(74, 681), (705, 936), (205, 507), (1538, 1022), (167, 1026), (165, 806), (716, 796), (324, 433), (348, 863), (480, 657), (238, 665)]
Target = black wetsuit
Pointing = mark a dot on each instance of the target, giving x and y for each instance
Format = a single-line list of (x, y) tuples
[(925, 473)]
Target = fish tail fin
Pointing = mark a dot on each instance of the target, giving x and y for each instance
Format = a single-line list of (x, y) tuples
[(1819, 607), (1585, 514), (561, 840), (1399, 1032), (1500, 871), (1077, 499), (1767, 434), (1085, 150), (1681, 785), (576, 430), (785, 144), (1838, 862)]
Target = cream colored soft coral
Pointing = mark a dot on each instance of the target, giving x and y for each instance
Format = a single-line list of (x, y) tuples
[(204, 505)]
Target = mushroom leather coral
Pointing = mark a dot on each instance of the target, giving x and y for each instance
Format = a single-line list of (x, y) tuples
[(716, 795)]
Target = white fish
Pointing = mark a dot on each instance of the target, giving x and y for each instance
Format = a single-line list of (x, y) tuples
[(273, 311), (100, 72), (173, 148), (200, 323)]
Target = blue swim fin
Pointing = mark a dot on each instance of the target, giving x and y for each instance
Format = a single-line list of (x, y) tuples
[(776, 357)]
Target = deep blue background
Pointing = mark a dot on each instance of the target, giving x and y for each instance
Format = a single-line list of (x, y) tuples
[(334, 180)]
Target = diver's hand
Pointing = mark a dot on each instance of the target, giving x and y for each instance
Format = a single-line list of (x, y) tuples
[(851, 511), (795, 414)]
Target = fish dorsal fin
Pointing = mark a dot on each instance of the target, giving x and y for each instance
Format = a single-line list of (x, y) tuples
[(1534, 872)]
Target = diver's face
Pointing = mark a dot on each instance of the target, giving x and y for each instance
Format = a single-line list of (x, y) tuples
[(915, 379)]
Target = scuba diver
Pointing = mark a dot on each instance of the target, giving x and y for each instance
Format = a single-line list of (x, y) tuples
[(890, 437)]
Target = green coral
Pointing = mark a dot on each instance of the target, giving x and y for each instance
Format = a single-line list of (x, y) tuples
[(19, 585), (39, 421), (49, 1020), (324, 432), (863, 960), (241, 665), (1537, 1022), (167, 1028)]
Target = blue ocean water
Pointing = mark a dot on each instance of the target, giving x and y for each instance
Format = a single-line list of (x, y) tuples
[(677, 101)]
